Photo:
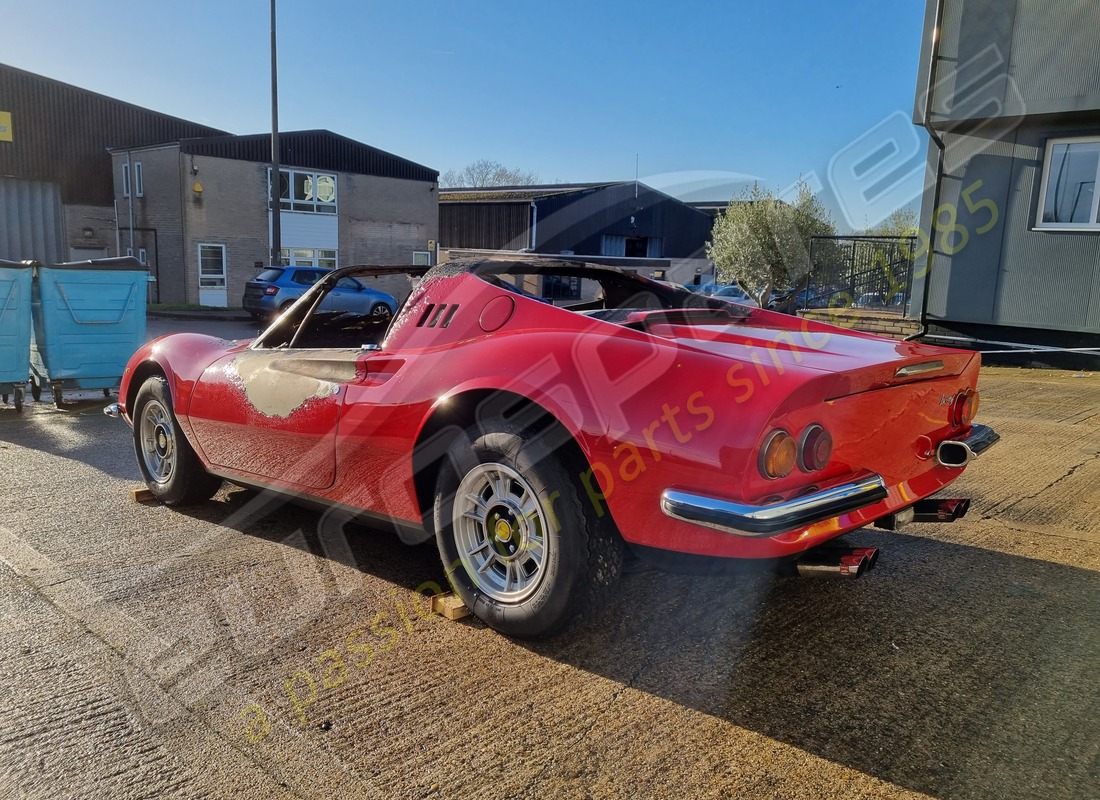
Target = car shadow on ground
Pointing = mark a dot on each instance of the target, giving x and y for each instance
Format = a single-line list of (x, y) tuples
[(373, 548), (77, 431), (950, 670)]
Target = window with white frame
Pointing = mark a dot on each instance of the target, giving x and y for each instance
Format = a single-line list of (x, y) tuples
[(308, 257), (139, 183), (1069, 198), (312, 192), (211, 266), (125, 180)]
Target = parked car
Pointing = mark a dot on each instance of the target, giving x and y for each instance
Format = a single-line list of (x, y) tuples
[(535, 442), (734, 294), (276, 288), (870, 300)]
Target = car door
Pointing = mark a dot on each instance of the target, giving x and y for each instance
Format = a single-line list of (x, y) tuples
[(273, 414), (347, 295)]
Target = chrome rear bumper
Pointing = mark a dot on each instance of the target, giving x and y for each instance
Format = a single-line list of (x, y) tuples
[(740, 519)]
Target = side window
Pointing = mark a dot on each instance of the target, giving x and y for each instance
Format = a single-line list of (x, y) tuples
[(305, 277), (348, 284)]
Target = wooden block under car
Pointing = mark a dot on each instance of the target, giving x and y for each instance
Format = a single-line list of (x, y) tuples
[(140, 494), (449, 605)]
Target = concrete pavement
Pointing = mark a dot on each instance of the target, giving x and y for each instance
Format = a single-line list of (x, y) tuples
[(248, 649)]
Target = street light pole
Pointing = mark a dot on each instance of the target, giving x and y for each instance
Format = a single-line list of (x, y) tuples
[(275, 184)]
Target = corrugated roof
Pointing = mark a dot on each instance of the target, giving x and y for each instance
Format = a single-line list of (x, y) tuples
[(317, 149), (505, 194)]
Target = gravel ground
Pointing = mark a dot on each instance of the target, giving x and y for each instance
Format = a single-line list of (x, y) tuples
[(249, 649)]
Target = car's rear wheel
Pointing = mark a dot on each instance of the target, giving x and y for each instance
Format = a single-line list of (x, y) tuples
[(380, 310), (169, 466), (520, 545)]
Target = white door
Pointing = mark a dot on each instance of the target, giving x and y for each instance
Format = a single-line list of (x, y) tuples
[(212, 281)]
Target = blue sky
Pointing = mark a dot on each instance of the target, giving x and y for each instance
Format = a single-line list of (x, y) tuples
[(570, 90)]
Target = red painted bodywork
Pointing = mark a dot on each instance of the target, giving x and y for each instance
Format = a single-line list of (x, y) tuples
[(677, 405)]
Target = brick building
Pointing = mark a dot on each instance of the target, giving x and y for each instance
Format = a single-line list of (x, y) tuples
[(198, 210)]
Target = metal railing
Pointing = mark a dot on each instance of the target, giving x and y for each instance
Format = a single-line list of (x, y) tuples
[(866, 272)]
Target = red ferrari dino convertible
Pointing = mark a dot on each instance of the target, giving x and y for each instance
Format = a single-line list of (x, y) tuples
[(533, 439)]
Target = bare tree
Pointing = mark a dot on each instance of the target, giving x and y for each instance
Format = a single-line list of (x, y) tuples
[(486, 173)]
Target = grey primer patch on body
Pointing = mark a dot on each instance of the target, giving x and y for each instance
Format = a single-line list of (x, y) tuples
[(278, 385)]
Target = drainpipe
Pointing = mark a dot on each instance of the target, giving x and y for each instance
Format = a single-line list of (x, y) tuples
[(534, 225), (935, 138), (132, 187), (118, 240)]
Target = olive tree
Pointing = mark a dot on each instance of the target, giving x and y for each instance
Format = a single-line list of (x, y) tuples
[(761, 241)]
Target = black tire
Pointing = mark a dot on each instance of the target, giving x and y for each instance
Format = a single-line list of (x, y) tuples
[(36, 389), (58, 394), (169, 466), (380, 310), (560, 571), (17, 398)]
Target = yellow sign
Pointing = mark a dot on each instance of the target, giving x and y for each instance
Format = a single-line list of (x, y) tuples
[(5, 126)]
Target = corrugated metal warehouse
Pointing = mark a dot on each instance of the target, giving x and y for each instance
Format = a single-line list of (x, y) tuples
[(56, 188), (620, 220), (87, 176)]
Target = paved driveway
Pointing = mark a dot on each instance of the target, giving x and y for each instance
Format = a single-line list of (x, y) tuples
[(249, 649)]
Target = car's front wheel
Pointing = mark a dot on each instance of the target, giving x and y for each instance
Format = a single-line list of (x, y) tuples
[(169, 466), (380, 310), (520, 544)]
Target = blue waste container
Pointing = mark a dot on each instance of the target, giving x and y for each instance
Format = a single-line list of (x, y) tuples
[(15, 329), (89, 318)]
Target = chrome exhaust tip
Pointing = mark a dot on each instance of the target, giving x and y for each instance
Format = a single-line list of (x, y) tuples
[(113, 411), (954, 454), (957, 453), (940, 509), (832, 564)]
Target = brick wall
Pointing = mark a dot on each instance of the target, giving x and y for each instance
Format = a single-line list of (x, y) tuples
[(158, 226), (381, 220), (231, 210), (99, 219), (878, 323), (384, 220)]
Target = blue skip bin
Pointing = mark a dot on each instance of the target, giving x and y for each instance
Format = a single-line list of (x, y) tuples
[(15, 329), (89, 318)]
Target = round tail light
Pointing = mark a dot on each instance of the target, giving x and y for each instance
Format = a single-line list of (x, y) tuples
[(965, 407), (778, 455), (814, 449), (970, 407)]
